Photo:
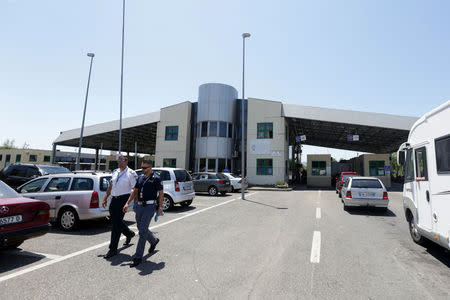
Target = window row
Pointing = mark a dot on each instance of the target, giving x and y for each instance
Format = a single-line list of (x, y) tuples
[(31, 158), (215, 128)]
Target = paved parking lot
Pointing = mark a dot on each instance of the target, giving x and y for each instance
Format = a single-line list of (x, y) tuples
[(284, 245)]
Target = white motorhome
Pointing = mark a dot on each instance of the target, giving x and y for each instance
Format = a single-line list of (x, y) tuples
[(425, 158)]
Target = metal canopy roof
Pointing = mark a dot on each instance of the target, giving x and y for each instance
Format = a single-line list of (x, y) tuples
[(378, 133), (140, 128)]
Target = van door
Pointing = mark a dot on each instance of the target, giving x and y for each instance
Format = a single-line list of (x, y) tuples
[(422, 189)]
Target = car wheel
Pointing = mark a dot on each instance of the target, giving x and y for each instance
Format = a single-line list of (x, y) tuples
[(186, 203), (223, 193), (415, 234), (212, 191), (12, 246), (345, 206), (340, 195), (68, 219), (167, 203), (232, 189)]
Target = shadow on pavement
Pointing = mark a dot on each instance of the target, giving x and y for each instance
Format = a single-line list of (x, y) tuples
[(370, 211), (180, 209), (265, 204), (146, 267), (14, 259), (88, 227), (438, 252)]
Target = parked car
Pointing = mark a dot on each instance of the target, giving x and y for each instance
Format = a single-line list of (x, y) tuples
[(212, 183), (177, 186), (342, 179), (364, 191), (20, 218), (236, 182), (425, 158), (15, 175), (72, 197)]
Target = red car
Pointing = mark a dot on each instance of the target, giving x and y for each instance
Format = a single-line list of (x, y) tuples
[(341, 180), (20, 218)]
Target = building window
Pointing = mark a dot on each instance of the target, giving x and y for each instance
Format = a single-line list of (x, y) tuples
[(286, 133), (319, 168), (171, 133), (211, 165), (204, 129), (33, 157), (169, 162), (202, 167), (376, 168), (265, 130), (47, 158), (230, 131), (264, 166), (212, 128), (442, 146), (223, 129), (8, 157), (18, 158), (222, 162)]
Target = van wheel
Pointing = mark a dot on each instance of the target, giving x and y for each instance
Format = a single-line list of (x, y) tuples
[(212, 191), (415, 234), (167, 203), (68, 219), (186, 203)]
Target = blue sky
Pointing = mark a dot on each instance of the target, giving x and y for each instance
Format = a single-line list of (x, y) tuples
[(380, 56)]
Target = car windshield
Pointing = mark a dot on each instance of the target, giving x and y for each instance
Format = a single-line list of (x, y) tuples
[(228, 175), (366, 184), (7, 192), (182, 175), (221, 176), (53, 170)]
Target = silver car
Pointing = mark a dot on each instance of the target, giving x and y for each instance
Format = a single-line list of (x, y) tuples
[(236, 182), (364, 191), (177, 185), (72, 197)]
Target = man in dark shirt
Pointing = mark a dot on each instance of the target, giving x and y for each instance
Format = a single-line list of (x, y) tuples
[(148, 189)]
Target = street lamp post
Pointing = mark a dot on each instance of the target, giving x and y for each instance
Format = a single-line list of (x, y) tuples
[(121, 76), (77, 167), (244, 36)]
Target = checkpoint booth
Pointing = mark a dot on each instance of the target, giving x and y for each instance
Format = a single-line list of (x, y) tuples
[(319, 170)]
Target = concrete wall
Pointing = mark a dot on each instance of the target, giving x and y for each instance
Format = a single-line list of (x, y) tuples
[(319, 181), (175, 115), (362, 164), (277, 148)]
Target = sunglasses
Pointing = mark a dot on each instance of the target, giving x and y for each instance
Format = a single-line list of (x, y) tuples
[(143, 168)]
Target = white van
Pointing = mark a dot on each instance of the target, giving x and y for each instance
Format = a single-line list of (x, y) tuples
[(426, 167)]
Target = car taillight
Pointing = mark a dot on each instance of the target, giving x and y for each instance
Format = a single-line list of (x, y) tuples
[(385, 195), (94, 200), (177, 186), (349, 194), (220, 181), (240, 181), (43, 215)]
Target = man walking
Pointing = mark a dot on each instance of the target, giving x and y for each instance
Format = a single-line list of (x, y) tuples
[(147, 187), (122, 182)]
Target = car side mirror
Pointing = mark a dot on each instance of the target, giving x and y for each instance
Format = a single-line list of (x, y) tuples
[(401, 157)]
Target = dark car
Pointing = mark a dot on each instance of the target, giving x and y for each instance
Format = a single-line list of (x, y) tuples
[(20, 218), (212, 183), (15, 175), (340, 181)]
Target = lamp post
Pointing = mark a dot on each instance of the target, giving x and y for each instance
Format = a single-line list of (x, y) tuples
[(244, 36), (77, 167), (121, 76)]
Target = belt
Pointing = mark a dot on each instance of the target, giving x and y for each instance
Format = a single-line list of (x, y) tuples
[(146, 202), (123, 195)]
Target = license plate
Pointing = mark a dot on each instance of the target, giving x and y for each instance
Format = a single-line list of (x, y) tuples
[(363, 194), (11, 220), (186, 188)]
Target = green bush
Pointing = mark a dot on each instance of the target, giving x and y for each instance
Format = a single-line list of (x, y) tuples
[(281, 182)]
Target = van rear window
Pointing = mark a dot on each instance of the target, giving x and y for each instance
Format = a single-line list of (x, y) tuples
[(442, 146), (182, 176), (366, 184)]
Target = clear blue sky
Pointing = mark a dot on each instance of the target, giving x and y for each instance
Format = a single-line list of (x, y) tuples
[(380, 56)]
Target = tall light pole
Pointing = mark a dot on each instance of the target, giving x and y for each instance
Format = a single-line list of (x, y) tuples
[(244, 36), (77, 167), (121, 76)]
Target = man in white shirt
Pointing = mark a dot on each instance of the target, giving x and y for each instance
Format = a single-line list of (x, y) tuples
[(122, 182)]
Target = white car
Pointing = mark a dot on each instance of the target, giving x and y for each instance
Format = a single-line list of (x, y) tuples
[(177, 185), (364, 191), (236, 182)]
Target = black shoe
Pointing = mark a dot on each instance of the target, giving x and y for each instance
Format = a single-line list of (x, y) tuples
[(153, 246), (110, 253), (136, 261), (128, 240)]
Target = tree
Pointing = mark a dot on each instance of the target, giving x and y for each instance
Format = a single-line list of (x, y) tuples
[(26, 146), (394, 166), (8, 144)]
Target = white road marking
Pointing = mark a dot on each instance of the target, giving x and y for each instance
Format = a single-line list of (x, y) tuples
[(315, 250), (65, 257), (318, 213)]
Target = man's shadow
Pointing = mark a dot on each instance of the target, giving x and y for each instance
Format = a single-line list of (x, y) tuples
[(146, 267)]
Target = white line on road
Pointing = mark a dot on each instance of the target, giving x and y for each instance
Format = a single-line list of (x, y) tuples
[(318, 213), (65, 257), (315, 250)]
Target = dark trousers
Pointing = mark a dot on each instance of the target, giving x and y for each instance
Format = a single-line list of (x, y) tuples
[(118, 225)]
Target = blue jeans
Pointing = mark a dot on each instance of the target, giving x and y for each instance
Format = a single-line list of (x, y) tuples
[(143, 217)]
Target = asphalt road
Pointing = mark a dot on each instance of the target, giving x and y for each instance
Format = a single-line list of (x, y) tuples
[(274, 245)]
